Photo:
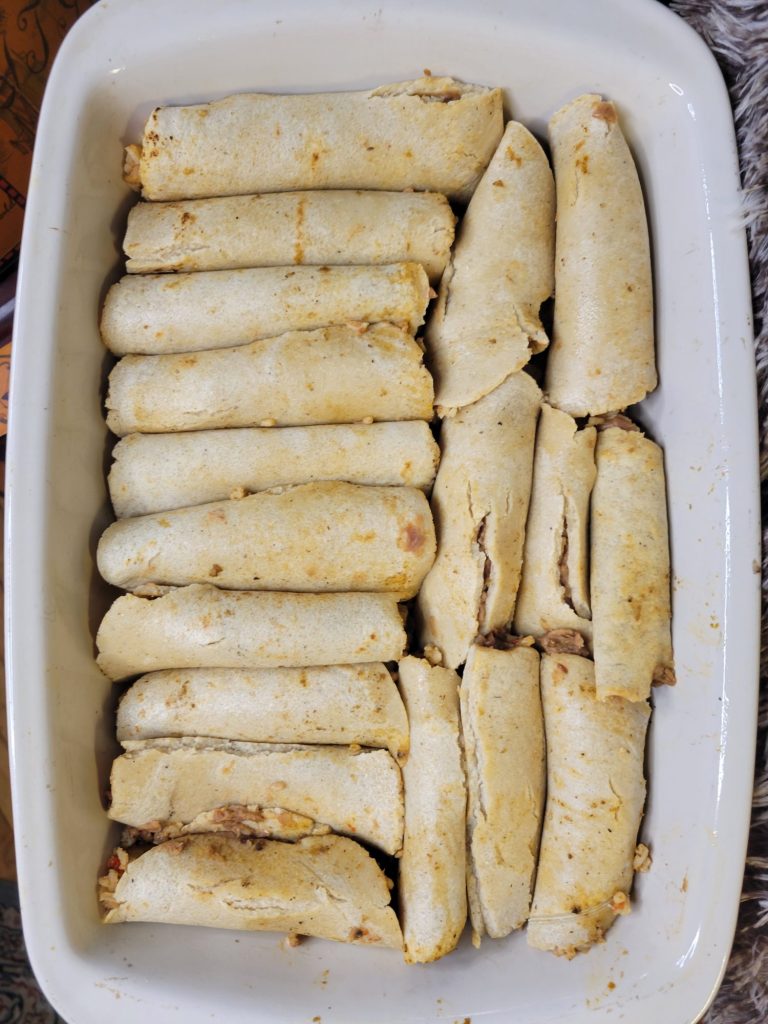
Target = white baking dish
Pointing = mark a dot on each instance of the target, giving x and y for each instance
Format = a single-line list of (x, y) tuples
[(664, 961)]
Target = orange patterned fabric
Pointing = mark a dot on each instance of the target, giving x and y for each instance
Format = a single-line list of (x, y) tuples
[(31, 32)]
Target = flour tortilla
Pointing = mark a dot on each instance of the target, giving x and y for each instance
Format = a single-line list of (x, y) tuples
[(602, 355), (317, 537), (314, 228), (154, 314), (480, 503), (333, 375), (326, 886), (341, 704), (486, 324), (554, 586), (433, 898), (595, 797), (157, 472), (631, 613), (433, 134), (203, 627), (157, 782), (503, 733)]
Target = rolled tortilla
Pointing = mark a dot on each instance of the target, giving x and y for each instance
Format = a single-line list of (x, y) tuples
[(157, 472), (334, 375), (630, 567), (156, 783), (595, 797), (318, 537), (315, 228), (433, 898), (325, 886), (554, 585), (602, 355), (342, 704), (154, 314), (503, 732), (203, 627), (480, 503), (433, 134), (249, 820), (486, 324)]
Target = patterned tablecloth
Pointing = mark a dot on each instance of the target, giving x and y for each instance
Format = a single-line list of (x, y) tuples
[(31, 32)]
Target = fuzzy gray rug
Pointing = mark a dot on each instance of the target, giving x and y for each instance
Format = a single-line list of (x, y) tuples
[(737, 33)]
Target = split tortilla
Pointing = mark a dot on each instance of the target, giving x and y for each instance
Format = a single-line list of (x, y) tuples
[(595, 798), (314, 228), (602, 355), (631, 613), (157, 472), (554, 585), (433, 897), (486, 324), (480, 504), (333, 375), (326, 886), (169, 782), (203, 627), (433, 134), (156, 314), (318, 537), (503, 734), (334, 704)]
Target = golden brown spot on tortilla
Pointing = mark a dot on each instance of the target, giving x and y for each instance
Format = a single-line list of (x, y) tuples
[(189, 361), (364, 537), (491, 341), (499, 183), (202, 112), (412, 536), (583, 163), (579, 144), (172, 284), (560, 672), (324, 270), (315, 157), (217, 514), (513, 156), (215, 569), (630, 288), (189, 170), (611, 985), (303, 679), (163, 522), (298, 248), (604, 111), (154, 152), (408, 154), (206, 620), (278, 131), (188, 218), (153, 137)]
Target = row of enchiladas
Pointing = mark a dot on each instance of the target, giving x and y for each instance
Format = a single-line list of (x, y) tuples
[(270, 486)]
